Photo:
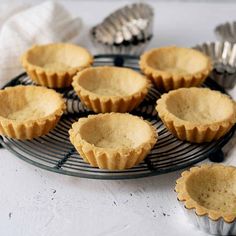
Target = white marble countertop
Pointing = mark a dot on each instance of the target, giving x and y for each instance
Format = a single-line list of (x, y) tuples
[(37, 202)]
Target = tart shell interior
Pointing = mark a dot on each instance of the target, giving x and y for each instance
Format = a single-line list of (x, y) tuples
[(111, 81), (214, 189), (23, 103), (115, 131), (199, 106), (177, 60), (58, 57)]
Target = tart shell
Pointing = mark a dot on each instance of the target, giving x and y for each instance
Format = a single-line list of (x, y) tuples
[(103, 104), (54, 78), (165, 80), (110, 158), (192, 131), (31, 128)]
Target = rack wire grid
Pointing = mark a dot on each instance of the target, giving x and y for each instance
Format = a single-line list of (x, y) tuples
[(54, 152)]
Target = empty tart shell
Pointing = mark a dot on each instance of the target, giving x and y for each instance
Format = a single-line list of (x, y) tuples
[(113, 141), (197, 114), (28, 112), (54, 65), (174, 67), (110, 89), (207, 194)]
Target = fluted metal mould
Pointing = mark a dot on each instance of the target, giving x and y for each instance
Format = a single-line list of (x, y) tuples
[(223, 55), (204, 223), (128, 30)]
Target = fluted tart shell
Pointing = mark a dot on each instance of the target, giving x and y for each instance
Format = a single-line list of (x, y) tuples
[(27, 112), (113, 141), (210, 191), (197, 114), (110, 89), (54, 65), (175, 67)]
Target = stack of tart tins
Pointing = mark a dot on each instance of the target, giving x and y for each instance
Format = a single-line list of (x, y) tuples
[(128, 30), (226, 32), (223, 56)]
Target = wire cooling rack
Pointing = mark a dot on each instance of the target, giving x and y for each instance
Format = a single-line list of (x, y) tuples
[(54, 152)]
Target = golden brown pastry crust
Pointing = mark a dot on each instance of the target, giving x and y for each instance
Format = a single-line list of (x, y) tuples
[(160, 65), (31, 122), (54, 65), (111, 100), (184, 186), (200, 130), (118, 153)]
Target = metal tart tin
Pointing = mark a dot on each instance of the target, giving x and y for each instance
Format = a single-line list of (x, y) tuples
[(226, 32), (223, 55), (128, 30), (204, 223)]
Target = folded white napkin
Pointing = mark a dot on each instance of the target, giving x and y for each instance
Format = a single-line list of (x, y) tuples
[(40, 24)]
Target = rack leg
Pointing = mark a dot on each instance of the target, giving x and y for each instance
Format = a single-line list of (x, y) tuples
[(119, 61), (1, 139), (217, 156)]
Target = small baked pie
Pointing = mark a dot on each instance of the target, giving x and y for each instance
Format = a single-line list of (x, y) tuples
[(54, 65), (197, 114), (208, 196), (173, 67), (113, 140), (27, 112), (110, 89)]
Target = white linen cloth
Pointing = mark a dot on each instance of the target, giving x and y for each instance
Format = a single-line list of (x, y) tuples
[(29, 25)]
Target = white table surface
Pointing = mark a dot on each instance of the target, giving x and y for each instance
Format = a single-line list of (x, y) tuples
[(37, 202)]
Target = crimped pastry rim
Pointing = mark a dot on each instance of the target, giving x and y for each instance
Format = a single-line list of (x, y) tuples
[(76, 138), (189, 203), (58, 112), (189, 125), (39, 70), (148, 70), (94, 96)]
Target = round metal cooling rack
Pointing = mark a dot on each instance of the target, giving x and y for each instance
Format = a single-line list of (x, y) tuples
[(54, 152)]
